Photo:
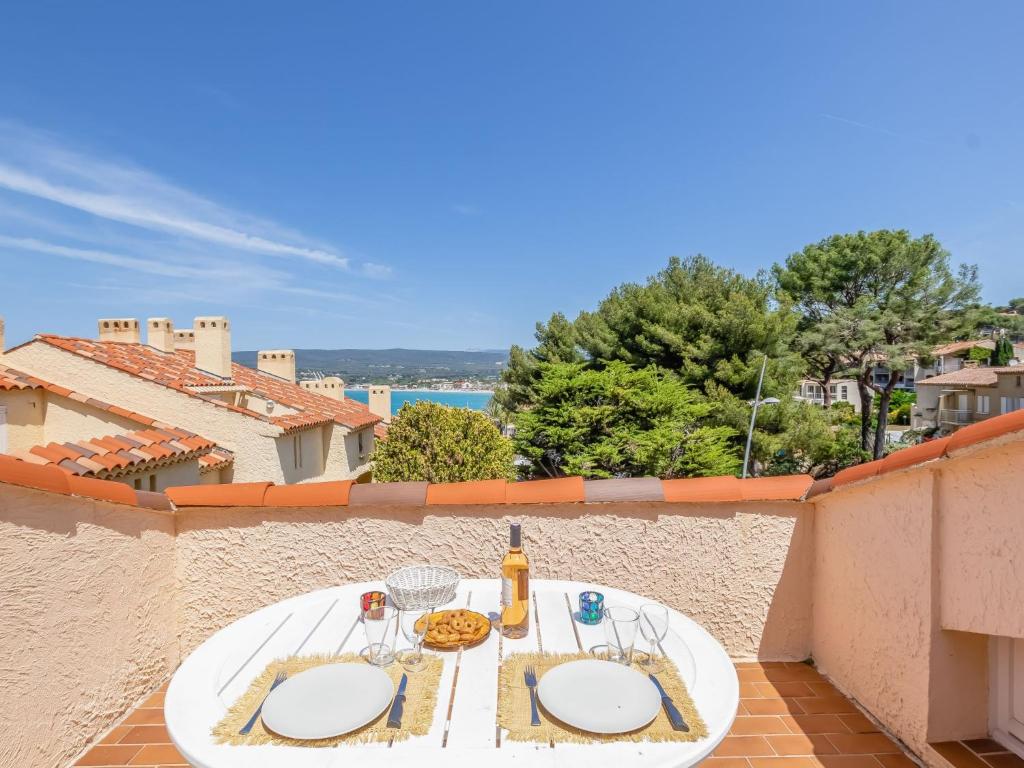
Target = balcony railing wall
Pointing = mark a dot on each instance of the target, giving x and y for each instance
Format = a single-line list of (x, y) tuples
[(892, 584)]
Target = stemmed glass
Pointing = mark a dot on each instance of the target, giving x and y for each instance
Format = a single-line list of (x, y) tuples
[(415, 631), (654, 627)]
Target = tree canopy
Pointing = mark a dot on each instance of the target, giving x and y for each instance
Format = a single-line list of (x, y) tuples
[(892, 296), (616, 420), (432, 442)]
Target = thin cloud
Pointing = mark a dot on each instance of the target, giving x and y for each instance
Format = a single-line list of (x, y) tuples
[(36, 165), (882, 130)]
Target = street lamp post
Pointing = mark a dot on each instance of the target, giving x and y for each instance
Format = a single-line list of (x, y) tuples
[(753, 414)]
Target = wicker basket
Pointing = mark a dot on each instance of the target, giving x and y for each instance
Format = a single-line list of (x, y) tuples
[(417, 587)]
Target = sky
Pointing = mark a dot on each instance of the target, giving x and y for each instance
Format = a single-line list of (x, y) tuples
[(443, 175)]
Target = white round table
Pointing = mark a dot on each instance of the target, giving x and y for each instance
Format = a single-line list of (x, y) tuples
[(464, 730)]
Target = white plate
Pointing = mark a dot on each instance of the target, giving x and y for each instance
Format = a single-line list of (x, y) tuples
[(599, 696), (328, 701)]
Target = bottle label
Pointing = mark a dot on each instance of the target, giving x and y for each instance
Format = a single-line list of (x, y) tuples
[(506, 591)]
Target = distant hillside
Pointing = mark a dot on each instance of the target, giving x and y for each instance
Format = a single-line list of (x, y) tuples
[(362, 365)]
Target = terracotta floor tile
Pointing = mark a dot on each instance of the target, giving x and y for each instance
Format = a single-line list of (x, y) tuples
[(827, 705), (146, 734), (983, 746), (110, 754), (748, 726), (823, 688), (145, 716), (801, 745), (857, 723), (784, 690), (749, 691), (850, 761), (896, 761), (959, 755), (815, 724), (743, 746), (115, 734), (863, 743), (1007, 760), (156, 700), (751, 675), (772, 707), (726, 762), (802, 672), (158, 754), (784, 762)]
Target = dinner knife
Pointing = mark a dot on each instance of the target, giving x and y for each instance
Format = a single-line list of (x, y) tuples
[(678, 724), (395, 715)]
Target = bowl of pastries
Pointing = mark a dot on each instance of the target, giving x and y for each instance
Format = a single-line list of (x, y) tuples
[(454, 629)]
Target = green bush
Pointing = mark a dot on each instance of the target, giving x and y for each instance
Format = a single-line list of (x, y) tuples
[(432, 442)]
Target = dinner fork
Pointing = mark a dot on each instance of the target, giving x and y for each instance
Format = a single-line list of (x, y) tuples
[(530, 675), (244, 730)]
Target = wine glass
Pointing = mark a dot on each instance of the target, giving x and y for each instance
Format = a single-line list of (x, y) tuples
[(654, 627), (414, 625)]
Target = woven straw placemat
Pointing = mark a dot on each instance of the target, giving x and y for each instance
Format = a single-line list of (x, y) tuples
[(514, 706), (420, 700)]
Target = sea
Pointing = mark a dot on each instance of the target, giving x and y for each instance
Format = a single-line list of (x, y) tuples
[(475, 401)]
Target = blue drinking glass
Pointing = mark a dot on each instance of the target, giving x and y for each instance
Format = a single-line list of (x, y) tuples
[(591, 607)]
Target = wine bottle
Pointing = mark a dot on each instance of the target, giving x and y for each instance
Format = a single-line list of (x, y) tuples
[(515, 587)]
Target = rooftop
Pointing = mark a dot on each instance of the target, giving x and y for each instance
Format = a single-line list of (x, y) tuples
[(177, 370), (973, 376)]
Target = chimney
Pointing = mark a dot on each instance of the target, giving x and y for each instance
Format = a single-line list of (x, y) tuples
[(329, 386), (185, 339), (213, 345), (380, 401), (278, 362), (122, 329), (160, 333)]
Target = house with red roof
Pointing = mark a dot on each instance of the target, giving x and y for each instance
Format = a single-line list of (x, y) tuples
[(255, 424)]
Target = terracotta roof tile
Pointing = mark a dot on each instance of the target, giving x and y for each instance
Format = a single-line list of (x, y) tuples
[(45, 478), (103, 489), (388, 494), (222, 495), (474, 492), (784, 488), (915, 454), (215, 459), (623, 489), (177, 370), (329, 494), (856, 473), (559, 490), (977, 377), (702, 489)]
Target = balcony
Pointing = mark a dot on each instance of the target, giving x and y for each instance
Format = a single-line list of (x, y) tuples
[(851, 649), (957, 418)]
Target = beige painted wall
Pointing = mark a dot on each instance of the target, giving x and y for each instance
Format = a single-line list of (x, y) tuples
[(68, 420), (252, 441), (741, 570), (181, 473), (87, 619), (310, 465), (981, 532), (25, 409), (912, 573)]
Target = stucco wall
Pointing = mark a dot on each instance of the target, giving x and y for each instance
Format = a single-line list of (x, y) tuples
[(872, 596), (181, 473), (87, 619), (741, 570), (68, 420), (25, 408), (981, 531), (912, 572)]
